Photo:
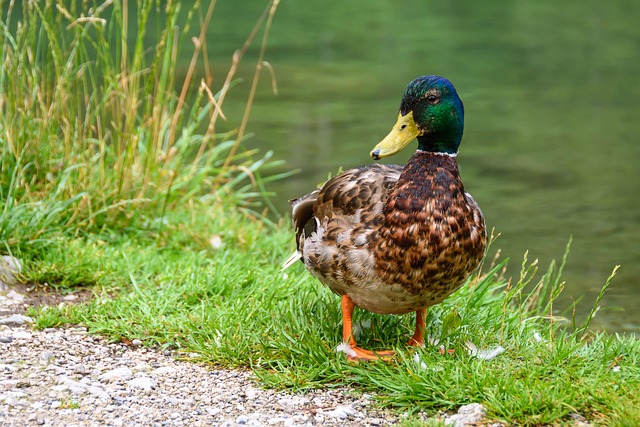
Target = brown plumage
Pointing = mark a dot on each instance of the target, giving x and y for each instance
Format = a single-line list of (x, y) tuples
[(392, 239), (394, 242)]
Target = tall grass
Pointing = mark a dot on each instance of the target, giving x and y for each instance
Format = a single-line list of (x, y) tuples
[(98, 131)]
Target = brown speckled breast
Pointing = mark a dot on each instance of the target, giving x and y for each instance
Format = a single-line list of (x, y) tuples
[(394, 240)]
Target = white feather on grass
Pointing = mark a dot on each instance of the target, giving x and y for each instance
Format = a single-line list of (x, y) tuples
[(346, 349), (487, 354), (418, 361), (537, 337)]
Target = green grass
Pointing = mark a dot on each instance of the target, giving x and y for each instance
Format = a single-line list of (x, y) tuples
[(115, 179), (97, 131), (233, 307)]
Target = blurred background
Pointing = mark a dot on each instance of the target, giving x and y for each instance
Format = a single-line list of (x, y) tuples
[(551, 146)]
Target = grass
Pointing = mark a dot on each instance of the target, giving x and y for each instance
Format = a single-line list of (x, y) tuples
[(97, 132), (114, 179), (233, 307)]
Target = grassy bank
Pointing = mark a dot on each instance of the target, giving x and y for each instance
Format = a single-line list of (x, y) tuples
[(114, 179), (230, 305)]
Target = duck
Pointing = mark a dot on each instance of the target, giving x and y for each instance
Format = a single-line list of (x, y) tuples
[(395, 239)]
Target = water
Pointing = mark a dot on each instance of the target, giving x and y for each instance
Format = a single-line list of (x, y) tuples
[(551, 96)]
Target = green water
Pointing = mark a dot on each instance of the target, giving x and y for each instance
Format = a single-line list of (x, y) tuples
[(551, 95)]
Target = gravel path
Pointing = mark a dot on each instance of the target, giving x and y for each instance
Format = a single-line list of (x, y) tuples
[(65, 377)]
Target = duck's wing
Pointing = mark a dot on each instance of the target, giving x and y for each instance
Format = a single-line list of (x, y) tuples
[(353, 198), (366, 188)]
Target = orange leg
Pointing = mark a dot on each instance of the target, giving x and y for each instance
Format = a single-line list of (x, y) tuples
[(417, 339), (347, 335)]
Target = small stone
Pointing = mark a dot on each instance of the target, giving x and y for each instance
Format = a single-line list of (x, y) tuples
[(579, 420), (142, 366), (468, 414), (15, 296), (213, 411), (6, 339), (117, 373), (342, 412), (163, 370), (242, 419), (46, 357), (144, 383), (11, 400), (70, 297), (15, 320), (22, 335), (136, 342), (251, 393), (80, 369)]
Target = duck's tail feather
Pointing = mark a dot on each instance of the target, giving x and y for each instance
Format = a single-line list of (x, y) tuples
[(291, 260)]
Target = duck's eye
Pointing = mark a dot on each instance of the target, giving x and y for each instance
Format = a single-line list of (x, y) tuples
[(432, 99), (402, 127)]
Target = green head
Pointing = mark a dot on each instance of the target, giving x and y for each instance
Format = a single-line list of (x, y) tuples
[(431, 111)]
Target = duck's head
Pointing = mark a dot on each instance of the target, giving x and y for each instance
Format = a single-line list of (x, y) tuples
[(430, 111)]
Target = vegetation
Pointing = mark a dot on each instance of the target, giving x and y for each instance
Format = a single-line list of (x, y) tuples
[(114, 179), (95, 139)]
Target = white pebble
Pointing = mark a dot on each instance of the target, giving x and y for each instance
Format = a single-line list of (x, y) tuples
[(342, 412), (467, 414), (11, 400), (144, 383), (15, 296), (16, 320), (46, 357), (163, 370), (251, 393), (117, 373)]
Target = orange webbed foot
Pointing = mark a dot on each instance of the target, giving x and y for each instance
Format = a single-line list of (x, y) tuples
[(356, 354)]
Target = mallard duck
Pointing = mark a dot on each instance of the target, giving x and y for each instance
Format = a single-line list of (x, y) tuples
[(393, 239)]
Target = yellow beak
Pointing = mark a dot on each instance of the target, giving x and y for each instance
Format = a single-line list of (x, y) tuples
[(403, 132)]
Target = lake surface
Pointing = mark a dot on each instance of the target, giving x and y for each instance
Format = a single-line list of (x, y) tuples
[(551, 146)]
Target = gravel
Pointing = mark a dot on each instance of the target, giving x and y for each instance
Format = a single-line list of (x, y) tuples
[(66, 377)]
